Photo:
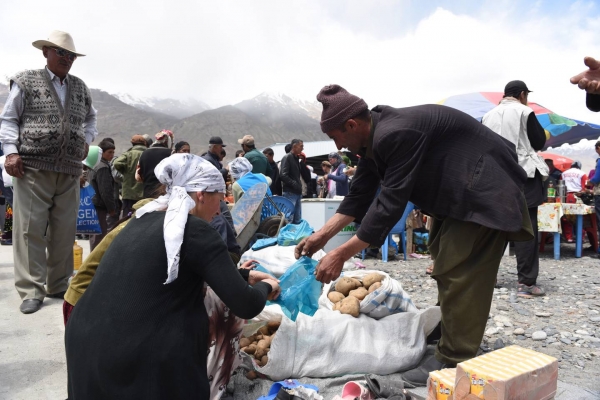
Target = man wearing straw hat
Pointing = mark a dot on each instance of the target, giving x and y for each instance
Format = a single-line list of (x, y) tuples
[(46, 128)]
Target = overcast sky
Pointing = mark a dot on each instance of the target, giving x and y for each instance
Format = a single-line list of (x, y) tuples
[(397, 53)]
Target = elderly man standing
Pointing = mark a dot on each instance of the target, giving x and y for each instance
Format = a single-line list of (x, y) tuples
[(46, 128), (454, 169), (260, 164), (516, 122)]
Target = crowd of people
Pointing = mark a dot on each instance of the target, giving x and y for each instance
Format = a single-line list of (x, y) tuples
[(157, 308)]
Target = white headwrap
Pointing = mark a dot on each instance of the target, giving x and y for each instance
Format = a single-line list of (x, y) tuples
[(239, 167), (181, 173)]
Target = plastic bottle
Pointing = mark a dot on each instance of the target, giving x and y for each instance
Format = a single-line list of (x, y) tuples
[(560, 198), (77, 256), (513, 296), (551, 193)]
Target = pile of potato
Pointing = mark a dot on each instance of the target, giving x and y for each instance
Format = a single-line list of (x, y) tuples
[(349, 292), (259, 344)]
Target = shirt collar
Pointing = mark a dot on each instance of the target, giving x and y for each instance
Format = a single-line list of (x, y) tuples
[(53, 76), (367, 152)]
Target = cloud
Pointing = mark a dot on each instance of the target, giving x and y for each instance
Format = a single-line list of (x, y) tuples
[(397, 53)]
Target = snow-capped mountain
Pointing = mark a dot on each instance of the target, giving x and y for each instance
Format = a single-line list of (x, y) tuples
[(173, 107), (276, 100), (584, 151)]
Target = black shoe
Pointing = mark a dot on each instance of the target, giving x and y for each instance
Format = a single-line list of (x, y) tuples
[(59, 295), (30, 306), (385, 387), (418, 376)]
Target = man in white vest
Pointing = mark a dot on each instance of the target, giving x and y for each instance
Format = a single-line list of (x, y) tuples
[(515, 121)]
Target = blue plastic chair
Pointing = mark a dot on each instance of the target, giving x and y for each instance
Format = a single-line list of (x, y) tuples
[(399, 229), (285, 205)]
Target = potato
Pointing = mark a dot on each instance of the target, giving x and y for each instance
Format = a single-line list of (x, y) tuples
[(264, 360), (252, 375), (359, 293), (252, 338), (244, 342), (357, 282), (351, 306), (264, 330), (263, 344), (251, 349), (345, 285), (374, 287), (260, 353), (337, 305), (273, 326), (258, 337), (371, 279), (334, 297)]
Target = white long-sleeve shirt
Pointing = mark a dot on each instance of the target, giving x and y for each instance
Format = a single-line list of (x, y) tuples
[(10, 119)]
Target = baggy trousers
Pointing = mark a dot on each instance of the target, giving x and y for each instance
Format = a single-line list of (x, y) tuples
[(527, 253), (44, 199), (467, 257)]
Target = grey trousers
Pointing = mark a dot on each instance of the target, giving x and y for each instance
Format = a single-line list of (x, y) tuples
[(44, 199)]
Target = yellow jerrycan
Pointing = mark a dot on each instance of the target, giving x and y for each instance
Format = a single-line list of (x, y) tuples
[(77, 256)]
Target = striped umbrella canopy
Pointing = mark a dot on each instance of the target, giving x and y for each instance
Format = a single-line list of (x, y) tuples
[(558, 129)]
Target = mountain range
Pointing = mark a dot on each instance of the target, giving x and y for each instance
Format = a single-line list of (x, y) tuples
[(269, 117)]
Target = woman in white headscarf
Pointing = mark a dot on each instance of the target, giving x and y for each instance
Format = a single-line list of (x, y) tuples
[(141, 328), (241, 171)]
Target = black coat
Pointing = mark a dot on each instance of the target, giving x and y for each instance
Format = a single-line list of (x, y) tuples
[(445, 162)]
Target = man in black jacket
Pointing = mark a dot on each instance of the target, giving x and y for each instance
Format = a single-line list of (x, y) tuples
[(290, 178), (454, 169), (590, 82)]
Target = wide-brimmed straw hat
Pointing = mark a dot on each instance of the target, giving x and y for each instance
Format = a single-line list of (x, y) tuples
[(59, 39)]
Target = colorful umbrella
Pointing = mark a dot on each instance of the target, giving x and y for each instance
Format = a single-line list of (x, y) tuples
[(561, 163), (558, 129)]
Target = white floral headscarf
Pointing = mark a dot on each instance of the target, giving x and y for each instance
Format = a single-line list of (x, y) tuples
[(239, 167), (181, 173)]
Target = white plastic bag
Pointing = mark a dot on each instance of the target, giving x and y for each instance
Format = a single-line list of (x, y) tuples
[(389, 299), (331, 344), (277, 259)]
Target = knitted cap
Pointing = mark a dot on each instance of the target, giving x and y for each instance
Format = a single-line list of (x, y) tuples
[(338, 106)]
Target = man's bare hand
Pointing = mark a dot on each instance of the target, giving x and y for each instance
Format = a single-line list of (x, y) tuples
[(14, 165), (310, 245), (589, 80), (330, 267), (85, 151)]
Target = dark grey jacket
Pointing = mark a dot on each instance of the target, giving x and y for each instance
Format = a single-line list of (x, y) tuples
[(290, 174), (445, 162)]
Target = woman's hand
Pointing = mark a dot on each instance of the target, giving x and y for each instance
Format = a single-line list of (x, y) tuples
[(275, 289), (257, 276), (250, 264)]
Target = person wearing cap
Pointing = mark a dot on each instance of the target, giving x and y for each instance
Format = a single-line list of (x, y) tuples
[(260, 164), (46, 127), (337, 175), (141, 330), (291, 177), (132, 191), (454, 169), (100, 177), (516, 122), (150, 158), (589, 81), (215, 145)]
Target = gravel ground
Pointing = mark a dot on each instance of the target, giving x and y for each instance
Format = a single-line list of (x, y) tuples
[(564, 324)]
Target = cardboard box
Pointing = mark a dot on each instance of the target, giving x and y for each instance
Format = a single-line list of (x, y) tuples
[(440, 385)]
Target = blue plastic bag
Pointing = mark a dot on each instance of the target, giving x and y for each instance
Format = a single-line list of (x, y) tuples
[(264, 243), (300, 289), (292, 234), (87, 218)]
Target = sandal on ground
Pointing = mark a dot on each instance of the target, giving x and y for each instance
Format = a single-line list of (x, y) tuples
[(529, 291)]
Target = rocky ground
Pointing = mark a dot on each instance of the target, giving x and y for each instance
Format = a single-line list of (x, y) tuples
[(564, 324)]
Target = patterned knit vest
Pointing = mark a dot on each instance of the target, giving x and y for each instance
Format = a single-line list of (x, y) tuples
[(52, 137)]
